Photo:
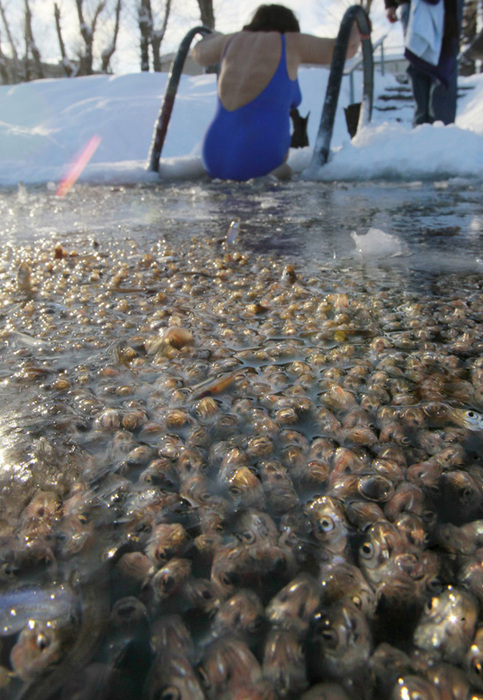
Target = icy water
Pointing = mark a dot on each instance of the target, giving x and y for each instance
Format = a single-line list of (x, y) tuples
[(244, 465)]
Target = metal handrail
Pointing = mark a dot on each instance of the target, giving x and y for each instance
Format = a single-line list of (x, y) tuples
[(162, 122), (355, 13), (353, 66)]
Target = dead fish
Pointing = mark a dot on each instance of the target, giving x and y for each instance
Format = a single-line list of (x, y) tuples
[(233, 231), (467, 418), (169, 632), (474, 660), (447, 624), (242, 614), (450, 681), (330, 526), (383, 542), (215, 385), (228, 664), (24, 277), (172, 676), (387, 664), (95, 609), (294, 605), (344, 581), (412, 687), (284, 663), (325, 691), (342, 646), (46, 604), (38, 647)]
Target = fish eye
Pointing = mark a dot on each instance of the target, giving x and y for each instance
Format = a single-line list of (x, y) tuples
[(435, 585), (9, 570), (329, 637), (429, 516), (465, 494), (325, 524), (257, 624), (229, 579), (366, 550), (205, 679), (42, 642), (477, 667), (82, 518), (47, 559), (431, 605), (170, 693), (357, 600), (167, 583), (248, 537), (471, 414)]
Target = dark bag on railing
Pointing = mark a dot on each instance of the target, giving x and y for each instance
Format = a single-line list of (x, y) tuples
[(300, 138), (352, 113)]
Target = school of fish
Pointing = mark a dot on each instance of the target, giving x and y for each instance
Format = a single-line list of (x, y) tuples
[(227, 477)]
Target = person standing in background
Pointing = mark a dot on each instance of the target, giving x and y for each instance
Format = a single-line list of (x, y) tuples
[(434, 90)]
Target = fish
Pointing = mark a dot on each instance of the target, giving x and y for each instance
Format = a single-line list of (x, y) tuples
[(39, 646), (172, 675), (95, 610), (387, 664), (467, 418), (242, 614), (294, 605), (284, 663), (233, 231), (215, 385), (413, 687), (473, 663), (342, 645), (330, 526), (46, 604), (227, 664), (383, 542), (447, 624)]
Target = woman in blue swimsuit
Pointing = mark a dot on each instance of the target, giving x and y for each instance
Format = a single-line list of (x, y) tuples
[(249, 135)]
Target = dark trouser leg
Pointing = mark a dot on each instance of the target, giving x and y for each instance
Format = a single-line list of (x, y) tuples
[(420, 82), (422, 85), (443, 100)]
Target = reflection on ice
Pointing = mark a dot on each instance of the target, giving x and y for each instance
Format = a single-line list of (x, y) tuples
[(376, 244)]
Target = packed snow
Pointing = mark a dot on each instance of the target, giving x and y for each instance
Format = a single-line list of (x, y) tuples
[(45, 125)]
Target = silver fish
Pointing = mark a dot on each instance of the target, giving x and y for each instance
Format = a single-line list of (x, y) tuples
[(19, 606), (447, 624)]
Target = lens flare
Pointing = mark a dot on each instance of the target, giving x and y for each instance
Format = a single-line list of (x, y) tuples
[(78, 164)]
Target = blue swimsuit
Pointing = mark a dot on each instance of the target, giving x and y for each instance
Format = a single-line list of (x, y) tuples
[(253, 140)]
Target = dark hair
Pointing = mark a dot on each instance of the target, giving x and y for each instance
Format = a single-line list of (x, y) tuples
[(273, 18)]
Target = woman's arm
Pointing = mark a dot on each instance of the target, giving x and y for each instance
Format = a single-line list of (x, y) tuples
[(318, 50), (209, 50)]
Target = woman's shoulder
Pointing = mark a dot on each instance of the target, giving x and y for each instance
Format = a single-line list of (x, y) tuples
[(210, 49)]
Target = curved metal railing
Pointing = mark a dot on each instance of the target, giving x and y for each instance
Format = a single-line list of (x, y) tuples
[(322, 144), (162, 122)]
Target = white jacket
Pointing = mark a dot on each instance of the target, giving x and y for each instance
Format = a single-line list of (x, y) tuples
[(424, 33)]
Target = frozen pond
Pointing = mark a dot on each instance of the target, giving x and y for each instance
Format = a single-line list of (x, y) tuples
[(435, 226), (248, 466), (431, 224)]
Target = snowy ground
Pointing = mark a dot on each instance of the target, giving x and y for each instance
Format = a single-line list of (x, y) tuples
[(45, 124)]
